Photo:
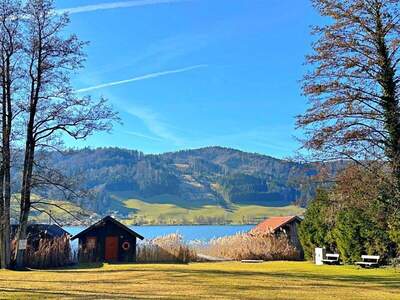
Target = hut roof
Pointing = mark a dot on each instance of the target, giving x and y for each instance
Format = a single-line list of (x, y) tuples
[(274, 223), (36, 230), (102, 222)]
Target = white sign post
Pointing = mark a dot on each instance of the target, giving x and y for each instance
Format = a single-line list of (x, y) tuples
[(22, 244), (319, 256)]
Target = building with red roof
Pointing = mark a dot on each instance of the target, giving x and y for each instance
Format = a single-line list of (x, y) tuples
[(281, 225)]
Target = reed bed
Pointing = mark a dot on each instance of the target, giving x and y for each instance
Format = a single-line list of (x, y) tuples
[(252, 246), (165, 249), (48, 253)]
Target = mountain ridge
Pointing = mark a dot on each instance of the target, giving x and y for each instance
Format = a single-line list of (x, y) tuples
[(190, 179)]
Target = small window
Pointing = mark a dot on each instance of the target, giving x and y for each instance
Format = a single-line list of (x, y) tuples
[(91, 243)]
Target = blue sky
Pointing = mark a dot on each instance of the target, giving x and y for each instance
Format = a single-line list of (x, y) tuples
[(189, 74)]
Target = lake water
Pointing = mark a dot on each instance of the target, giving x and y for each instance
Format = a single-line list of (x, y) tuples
[(189, 233)]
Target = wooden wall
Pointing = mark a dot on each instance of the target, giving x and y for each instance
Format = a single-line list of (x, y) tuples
[(97, 254)]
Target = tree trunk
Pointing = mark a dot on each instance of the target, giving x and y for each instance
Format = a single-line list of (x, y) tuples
[(25, 200), (30, 146), (6, 163), (26, 190), (7, 166), (7, 199), (19, 255), (2, 218)]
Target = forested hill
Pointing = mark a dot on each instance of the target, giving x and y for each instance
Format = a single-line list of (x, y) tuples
[(190, 179)]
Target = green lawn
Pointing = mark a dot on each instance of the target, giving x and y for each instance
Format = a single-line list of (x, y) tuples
[(231, 280)]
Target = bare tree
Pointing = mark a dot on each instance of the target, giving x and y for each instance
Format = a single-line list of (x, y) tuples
[(9, 75), (353, 85), (52, 109)]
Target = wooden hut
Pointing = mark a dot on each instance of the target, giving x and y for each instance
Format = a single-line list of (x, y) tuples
[(36, 232), (48, 246), (107, 240), (278, 225)]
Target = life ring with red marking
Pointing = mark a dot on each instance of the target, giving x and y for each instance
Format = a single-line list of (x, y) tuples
[(126, 246)]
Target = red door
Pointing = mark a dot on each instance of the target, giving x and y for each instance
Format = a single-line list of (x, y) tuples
[(111, 251)]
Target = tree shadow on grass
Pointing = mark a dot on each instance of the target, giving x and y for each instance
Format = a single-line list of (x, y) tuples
[(79, 266), (392, 281), (256, 281), (223, 291), (31, 292), (388, 281), (74, 294)]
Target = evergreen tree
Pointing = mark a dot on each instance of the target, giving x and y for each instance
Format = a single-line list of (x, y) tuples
[(315, 231), (356, 234), (347, 234)]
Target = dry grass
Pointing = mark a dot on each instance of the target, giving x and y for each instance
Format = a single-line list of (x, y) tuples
[(232, 280), (48, 253), (250, 246), (164, 249)]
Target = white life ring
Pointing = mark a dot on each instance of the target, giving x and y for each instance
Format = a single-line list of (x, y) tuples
[(126, 246)]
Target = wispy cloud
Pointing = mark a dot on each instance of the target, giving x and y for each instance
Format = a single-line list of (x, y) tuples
[(114, 5), (145, 136), (155, 124), (143, 77)]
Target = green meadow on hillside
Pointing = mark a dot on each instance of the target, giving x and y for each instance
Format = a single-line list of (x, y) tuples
[(150, 212), (153, 213), (62, 211), (230, 280)]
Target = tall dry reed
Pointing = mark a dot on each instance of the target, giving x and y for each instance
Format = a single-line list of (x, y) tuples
[(48, 253), (165, 249), (255, 246)]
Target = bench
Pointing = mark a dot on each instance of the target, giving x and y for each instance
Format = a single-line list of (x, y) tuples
[(331, 259), (369, 261), (252, 261)]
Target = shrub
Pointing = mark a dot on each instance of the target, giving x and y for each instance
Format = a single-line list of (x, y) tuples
[(395, 262), (394, 231)]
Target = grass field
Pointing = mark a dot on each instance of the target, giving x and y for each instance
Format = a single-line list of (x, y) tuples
[(39, 215), (174, 214), (230, 280)]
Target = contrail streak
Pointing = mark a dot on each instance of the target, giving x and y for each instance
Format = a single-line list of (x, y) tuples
[(114, 5), (143, 77)]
